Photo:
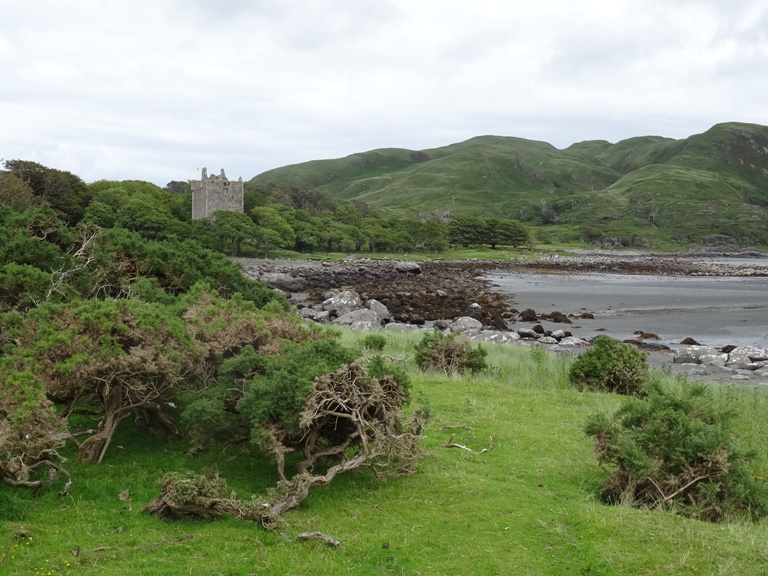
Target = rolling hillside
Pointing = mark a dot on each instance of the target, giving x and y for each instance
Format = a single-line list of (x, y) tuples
[(709, 187)]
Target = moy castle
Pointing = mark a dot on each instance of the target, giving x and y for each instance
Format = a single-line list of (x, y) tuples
[(212, 193)]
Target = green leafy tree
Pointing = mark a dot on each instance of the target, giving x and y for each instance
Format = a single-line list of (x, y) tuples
[(149, 218), (273, 230), (16, 193), (22, 286), (467, 230), (230, 230), (99, 213), (63, 191), (429, 235), (506, 232)]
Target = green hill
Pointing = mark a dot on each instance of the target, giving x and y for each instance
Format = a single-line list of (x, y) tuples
[(647, 189)]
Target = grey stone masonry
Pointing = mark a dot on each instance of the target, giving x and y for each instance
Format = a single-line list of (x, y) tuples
[(212, 193)]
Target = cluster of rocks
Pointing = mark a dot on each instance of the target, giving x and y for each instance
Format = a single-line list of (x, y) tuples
[(348, 308), (413, 292), (644, 263), (737, 362)]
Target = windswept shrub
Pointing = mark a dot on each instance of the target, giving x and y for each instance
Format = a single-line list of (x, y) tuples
[(109, 357), (676, 451), (332, 411), (610, 366), (30, 431), (449, 352)]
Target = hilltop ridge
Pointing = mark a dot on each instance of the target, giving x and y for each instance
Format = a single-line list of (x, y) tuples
[(705, 186)]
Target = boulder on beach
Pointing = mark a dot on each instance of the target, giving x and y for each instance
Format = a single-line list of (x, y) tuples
[(700, 355), (343, 302), (465, 324)]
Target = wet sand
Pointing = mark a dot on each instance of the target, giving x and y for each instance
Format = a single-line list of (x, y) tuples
[(715, 311)]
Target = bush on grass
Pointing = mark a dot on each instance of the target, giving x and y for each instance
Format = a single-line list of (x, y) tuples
[(449, 352), (610, 366), (676, 451), (374, 342)]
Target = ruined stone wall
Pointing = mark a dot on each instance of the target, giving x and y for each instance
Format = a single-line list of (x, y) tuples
[(212, 193)]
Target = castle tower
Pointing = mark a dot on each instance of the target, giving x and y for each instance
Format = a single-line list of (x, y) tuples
[(212, 193)]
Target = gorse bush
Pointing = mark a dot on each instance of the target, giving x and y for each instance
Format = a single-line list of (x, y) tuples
[(676, 450), (317, 400), (449, 352), (610, 366), (374, 342)]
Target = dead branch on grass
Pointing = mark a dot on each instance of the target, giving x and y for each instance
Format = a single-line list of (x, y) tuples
[(330, 540), (452, 444)]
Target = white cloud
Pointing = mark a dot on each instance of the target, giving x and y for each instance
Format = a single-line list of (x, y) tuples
[(155, 90)]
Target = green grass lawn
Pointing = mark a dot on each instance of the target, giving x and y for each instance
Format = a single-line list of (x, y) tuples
[(526, 506)]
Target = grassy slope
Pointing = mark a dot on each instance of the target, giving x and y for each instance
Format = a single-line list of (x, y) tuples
[(527, 506), (469, 177), (710, 183)]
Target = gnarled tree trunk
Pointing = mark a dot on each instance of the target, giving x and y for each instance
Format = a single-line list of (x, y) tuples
[(92, 450)]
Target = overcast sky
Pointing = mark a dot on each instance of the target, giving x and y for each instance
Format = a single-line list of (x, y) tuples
[(156, 89)]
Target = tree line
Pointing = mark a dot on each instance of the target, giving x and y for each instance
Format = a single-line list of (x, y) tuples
[(291, 218)]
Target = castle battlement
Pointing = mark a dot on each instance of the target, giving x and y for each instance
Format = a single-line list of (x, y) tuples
[(212, 193)]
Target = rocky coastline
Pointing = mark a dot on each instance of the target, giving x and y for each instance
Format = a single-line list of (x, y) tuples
[(374, 294)]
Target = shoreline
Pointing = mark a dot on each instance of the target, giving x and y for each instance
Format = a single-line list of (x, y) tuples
[(431, 290)]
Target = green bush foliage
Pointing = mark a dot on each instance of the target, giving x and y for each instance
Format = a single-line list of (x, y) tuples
[(109, 356), (374, 342), (610, 366), (449, 352), (279, 390), (676, 451), (315, 399)]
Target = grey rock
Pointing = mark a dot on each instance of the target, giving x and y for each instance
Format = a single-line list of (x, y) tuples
[(381, 311), (573, 342), (283, 281), (308, 313), (752, 366), (366, 325), (343, 302), (357, 316), (693, 354), (740, 377), (558, 334), (499, 336), (743, 372), (547, 340), (742, 355), (408, 267), (465, 324), (528, 333), (698, 371), (400, 326), (714, 359)]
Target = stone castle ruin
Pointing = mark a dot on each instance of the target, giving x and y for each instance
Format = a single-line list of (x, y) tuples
[(212, 193)]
